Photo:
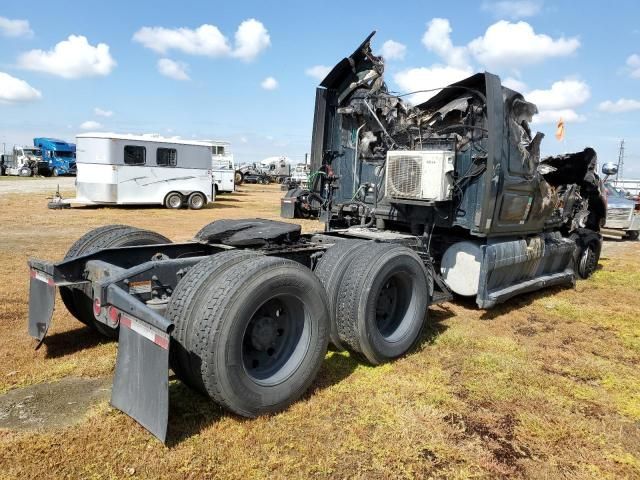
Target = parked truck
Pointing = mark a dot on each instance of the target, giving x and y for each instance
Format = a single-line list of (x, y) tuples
[(623, 213), (24, 162), (419, 203), (59, 155)]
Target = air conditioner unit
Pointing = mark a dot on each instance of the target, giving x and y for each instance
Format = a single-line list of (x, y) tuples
[(419, 175)]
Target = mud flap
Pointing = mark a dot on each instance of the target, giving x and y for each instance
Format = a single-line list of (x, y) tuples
[(42, 297), (141, 382)]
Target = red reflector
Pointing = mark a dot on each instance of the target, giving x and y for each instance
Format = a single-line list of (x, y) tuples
[(96, 307), (114, 316)]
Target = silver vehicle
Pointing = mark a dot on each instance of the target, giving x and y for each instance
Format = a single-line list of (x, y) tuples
[(622, 217), (24, 162)]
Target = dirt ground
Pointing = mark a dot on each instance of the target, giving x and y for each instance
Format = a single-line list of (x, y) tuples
[(547, 386), (11, 184)]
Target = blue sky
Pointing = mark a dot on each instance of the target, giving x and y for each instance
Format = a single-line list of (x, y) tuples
[(243, 71)]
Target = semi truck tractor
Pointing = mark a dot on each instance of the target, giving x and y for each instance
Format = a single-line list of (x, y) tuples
[(420, 204), (59, 155), (23, 161)]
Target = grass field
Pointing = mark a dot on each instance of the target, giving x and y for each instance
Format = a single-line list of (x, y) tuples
[(547, 386)]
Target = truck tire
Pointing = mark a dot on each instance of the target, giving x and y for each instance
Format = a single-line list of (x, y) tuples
[(330, 270), (78, 303), (196, 201), (262, 336), (633, 235), (239, 177), (174, 201), (587, 252), (25, 172), (383, 301), (181, 305)]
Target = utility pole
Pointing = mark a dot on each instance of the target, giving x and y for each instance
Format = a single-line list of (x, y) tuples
[(620, 161), (306, 156)]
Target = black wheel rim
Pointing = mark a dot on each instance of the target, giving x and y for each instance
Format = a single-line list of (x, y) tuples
[(588, 262), (275, 340), (393, 305)]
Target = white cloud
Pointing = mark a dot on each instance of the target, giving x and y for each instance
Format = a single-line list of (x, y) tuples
[(633, 62), (506, 44), (513, 8), (90, 125), (319, 72), (102, 113), (392, 50), (251, 38), (269, 83), (437, 38), (553, 116), (71, 58), (14, 90), (562, 94), (424, 78), (559, 101), (171, 69), (619, 106), (514, 84), (15, 28), (244, 140), (204, 40)]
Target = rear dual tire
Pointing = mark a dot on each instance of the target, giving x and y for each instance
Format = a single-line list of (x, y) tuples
[(378, 296), (253, 330)]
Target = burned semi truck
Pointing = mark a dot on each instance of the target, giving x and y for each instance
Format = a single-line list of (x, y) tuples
[(419, 203)]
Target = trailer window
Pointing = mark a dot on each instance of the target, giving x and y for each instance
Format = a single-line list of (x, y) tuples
[(218, 150), (135, 155), (166, 157)]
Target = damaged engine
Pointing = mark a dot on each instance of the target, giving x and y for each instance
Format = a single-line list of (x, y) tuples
[(461, 171)]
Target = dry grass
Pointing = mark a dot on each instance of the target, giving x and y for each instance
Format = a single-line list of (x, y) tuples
[(545, 387)]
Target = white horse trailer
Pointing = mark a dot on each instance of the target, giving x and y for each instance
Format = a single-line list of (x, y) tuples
[(118, 169), (224, 171)]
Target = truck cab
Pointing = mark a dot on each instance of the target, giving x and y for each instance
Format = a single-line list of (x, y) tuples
[(23, 161), (59, 155)]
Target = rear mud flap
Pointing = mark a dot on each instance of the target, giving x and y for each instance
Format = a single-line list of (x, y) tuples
[(42, 297), (141, 382)]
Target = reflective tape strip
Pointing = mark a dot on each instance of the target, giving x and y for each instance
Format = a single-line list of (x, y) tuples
[(38, 275), (156, 336)]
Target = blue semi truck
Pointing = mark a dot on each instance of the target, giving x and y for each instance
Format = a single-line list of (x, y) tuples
[(58, 154)]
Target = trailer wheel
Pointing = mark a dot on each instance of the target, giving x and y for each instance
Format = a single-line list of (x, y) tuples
[(330, 270), (78, 303), (239, 177), (174, 201), (196, 201), (262, 335), (383, 302), (183, 301)]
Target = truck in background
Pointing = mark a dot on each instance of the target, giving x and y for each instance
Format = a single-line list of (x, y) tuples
[(24, 162), (59, 155)]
